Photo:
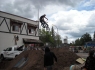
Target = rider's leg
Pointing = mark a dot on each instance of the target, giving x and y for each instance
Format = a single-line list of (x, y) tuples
[(42, 24), (45, 23)]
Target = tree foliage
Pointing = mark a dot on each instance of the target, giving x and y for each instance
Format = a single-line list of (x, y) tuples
[(84, 38), (50, 37)]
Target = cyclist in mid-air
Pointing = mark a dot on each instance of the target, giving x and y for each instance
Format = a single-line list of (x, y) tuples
[(43, 22)]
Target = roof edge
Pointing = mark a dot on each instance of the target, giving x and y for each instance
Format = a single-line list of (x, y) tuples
[(19, 16)]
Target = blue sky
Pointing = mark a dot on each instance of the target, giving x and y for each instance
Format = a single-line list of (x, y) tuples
[(73, 18), (81, 6)]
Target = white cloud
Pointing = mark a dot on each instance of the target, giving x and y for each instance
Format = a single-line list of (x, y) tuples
[(73, 23), (92, 20), (28, 8)]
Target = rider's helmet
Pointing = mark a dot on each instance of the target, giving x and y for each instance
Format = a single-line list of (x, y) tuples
[(44, 14)]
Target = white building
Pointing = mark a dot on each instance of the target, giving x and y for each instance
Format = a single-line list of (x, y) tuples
[(16, 30), (66, 40)]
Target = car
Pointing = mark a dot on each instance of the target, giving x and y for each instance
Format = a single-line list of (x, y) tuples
[(11, 52)]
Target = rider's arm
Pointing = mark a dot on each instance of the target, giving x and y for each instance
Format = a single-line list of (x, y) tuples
[(46, 18)]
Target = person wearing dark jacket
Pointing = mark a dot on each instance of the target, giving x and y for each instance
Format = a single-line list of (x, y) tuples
[(49, 59), (90, 62)]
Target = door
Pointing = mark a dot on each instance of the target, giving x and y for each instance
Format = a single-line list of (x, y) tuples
[(8, 52)]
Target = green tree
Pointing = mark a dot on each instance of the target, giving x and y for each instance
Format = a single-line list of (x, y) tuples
[(77, 42), (58, 40), (49, 37), (42, 35), (71, 44), (94, 36), (45, 37), (54, 43), (84, 38), (52, 32)]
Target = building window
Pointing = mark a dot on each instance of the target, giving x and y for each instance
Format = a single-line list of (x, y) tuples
[(15, 28), (31, 31), (31, 28), (16, 25)]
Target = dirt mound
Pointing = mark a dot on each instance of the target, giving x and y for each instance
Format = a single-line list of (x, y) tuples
[(4, 64), (35, 59), (65, 58)]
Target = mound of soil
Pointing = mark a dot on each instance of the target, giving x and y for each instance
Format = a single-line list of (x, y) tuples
[(4, 64), (65, 58), (36, 59)]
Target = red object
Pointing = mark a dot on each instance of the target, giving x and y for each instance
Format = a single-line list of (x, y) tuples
[(32, 45)]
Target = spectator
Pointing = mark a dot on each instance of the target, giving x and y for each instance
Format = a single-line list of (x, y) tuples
[(49, 59), (90, 62), (26, 47)]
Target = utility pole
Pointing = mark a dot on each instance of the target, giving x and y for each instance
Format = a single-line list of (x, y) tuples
[(38, 22)]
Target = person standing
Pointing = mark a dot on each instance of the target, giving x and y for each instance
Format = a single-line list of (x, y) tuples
[(90, 62), (49, 59)]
